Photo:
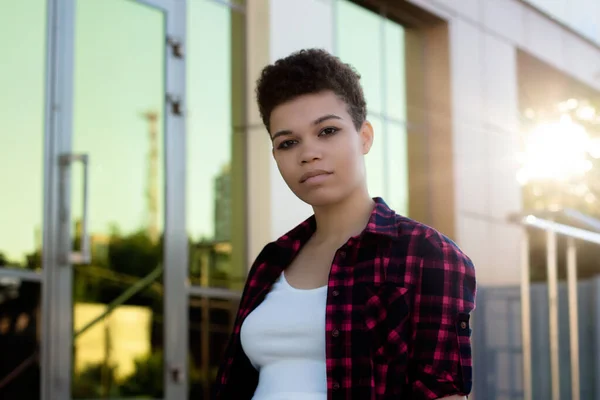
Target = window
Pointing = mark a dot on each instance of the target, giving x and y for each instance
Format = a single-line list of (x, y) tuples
[(215, 173), (215, 146), (376, 50), (118, 120), (22, 101), (23, 45)]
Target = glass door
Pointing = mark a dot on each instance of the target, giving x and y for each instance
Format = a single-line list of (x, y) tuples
[(115, 211), (117, 200)]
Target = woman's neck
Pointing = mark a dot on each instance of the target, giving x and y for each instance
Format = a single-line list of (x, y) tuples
[(338, 222)]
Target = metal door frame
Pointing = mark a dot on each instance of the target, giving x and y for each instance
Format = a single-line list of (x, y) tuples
[(57, 276)]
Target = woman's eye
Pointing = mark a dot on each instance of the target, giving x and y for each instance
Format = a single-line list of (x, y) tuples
[(328, 131), (286, 144)]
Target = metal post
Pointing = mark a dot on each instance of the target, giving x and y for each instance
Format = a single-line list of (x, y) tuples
[(552, 229), (526, 316), (573, 317), (553, 311)]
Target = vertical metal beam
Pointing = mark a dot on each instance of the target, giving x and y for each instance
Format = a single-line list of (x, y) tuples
[(57, 319), (573, 317), (526, 316), (552, 267), (50, 192), (175, 235)]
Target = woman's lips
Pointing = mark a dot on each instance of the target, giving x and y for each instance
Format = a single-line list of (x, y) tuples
[(315, 176)]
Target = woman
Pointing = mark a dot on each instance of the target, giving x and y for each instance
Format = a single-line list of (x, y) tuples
[(356, 302)]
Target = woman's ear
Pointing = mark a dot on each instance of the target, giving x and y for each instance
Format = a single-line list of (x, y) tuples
[(366, 137)]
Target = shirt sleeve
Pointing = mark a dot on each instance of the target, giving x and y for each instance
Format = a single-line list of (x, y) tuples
[(441, 362)]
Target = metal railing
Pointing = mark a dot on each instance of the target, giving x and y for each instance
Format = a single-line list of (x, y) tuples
[(573, 230)]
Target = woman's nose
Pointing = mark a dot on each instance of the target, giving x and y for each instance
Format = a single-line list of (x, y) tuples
[(310, 154)]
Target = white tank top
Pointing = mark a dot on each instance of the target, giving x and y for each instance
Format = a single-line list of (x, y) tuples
[(284, 338)]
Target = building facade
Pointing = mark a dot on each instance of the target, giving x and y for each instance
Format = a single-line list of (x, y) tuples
[(140, 183)]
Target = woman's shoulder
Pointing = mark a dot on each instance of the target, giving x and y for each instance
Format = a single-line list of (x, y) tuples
[(425, 241), (265, 254)]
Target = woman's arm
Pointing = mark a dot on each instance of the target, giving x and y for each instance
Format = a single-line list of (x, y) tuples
[(443, 302)]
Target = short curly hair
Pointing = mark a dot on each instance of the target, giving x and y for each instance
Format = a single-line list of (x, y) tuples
[(306, 72)]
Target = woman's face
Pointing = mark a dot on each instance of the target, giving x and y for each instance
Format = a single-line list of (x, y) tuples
[(318, 151)]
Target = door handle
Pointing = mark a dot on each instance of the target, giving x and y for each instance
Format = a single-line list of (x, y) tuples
[(83, 256)]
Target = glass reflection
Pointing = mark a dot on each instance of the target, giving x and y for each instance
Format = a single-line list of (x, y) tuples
[(210, 324), (361, 48), (215, 181), (383, 73), (118, 121), (376, 160), (215, 147), (397, 149), (19, 339), (22, 73), (395, 72)]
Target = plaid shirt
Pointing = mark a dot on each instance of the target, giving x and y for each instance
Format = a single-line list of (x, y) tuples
[(397, 321)]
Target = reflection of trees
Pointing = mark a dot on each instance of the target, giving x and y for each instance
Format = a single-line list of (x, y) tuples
[(96, 381), (99, 381), (32, 261), (211, 264), (147, 379), (119, 261), (116, 265), (19, 339)]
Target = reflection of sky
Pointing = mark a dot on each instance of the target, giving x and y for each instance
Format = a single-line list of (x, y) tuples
[(22, 26), (209, 114), (118, 76), (375, 47)]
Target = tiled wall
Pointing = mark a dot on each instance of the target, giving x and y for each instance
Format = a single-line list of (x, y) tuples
[(484, 36)]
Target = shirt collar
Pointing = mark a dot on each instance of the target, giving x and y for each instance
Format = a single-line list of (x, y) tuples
[(381, 222)]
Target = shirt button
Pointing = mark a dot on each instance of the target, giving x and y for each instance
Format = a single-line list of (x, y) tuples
[(335, 386), (335, 333), (335, 293), (463, 325)]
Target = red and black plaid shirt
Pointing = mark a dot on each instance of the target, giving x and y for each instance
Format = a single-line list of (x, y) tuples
[(397, 321)]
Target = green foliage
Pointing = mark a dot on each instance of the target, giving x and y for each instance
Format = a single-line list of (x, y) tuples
[(147, 379), (117, 265), (96, 381), (134, 255)]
